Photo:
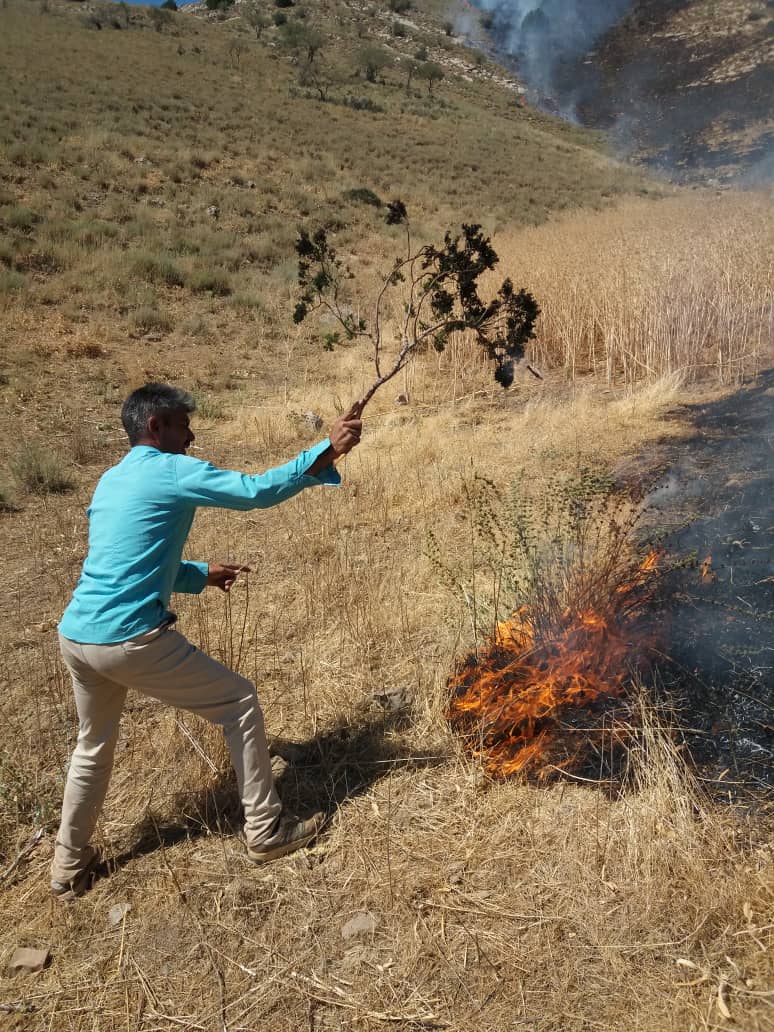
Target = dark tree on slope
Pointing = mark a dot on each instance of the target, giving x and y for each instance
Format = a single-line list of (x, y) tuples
[(439, 293), (373, 59)]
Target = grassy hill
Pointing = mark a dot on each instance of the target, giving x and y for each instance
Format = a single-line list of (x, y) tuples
[(152, 178), (152, 182)]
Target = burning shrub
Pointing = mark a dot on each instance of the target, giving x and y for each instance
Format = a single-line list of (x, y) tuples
[(563, 630)]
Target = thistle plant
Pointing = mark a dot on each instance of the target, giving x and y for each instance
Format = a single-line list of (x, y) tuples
[(440, 292), (559, 553)]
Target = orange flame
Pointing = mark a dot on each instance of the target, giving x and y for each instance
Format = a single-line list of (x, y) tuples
[(706, 573), (524, 704)]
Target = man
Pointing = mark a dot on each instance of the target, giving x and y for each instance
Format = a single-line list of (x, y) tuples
[(117, 632)]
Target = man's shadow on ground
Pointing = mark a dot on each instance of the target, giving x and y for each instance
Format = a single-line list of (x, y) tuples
[(322, 773)]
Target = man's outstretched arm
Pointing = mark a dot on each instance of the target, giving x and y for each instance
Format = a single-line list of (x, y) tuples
[(202, 484)]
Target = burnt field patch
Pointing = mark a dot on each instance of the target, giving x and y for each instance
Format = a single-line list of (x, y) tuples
[(718, 605)]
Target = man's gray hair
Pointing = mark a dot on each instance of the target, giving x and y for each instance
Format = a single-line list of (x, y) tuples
[(154, 399)]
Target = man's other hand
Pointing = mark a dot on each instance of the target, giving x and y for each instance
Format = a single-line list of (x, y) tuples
[(223, 575), (345, 432)]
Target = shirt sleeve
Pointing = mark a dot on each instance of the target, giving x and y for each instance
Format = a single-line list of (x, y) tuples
[(191, 578), (201, 483)]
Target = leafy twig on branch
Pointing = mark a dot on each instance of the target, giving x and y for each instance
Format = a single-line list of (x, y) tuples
[(440, 287)]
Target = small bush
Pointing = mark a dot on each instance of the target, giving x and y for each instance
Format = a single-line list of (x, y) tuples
[(41, 471), (195, 326), (10, 281), (25, 154), (279, 18), (208, 407), (284, 3), (153, 269), (148, 318), (213, 281), (6, 501), (247, 303), (19, 217), (362, 195), (362, 104)]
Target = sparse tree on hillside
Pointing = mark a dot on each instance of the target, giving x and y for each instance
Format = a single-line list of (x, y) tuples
[(255, 18), (169, 5), (235, 48), (437, 294), (430, 72), (410, 67), (315, 76), (373, 59), (302, 39)]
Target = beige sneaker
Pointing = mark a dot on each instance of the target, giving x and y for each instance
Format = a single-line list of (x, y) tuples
[(292, 834), (80, 883)]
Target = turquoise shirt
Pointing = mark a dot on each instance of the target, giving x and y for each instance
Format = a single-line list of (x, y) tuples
[(139, 519)]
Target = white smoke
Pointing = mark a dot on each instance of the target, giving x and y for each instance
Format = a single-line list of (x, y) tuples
[(541, 34)]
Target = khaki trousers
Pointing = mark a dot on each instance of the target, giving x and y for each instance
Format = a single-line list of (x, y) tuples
[(166, 666)]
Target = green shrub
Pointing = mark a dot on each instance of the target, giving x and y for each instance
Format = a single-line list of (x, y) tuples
[(19, 217), (154, 269), (362, 195), (362, 104), (24, 154), (40, 470), (279, 18), (10, 281)]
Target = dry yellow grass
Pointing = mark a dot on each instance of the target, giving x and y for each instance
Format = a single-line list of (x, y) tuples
[(637, 293), (493, 907)]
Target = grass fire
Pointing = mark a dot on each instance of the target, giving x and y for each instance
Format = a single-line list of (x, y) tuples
[(538, 703)]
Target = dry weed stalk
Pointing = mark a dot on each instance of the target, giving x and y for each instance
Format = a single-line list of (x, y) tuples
[(441, 297)]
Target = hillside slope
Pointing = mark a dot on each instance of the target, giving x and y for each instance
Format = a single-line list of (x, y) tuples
[(685, 86)]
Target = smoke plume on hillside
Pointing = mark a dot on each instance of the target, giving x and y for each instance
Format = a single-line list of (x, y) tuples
[(542, 34)]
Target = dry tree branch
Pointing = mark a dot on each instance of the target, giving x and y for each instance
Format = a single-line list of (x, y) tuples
[(441, 297)]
